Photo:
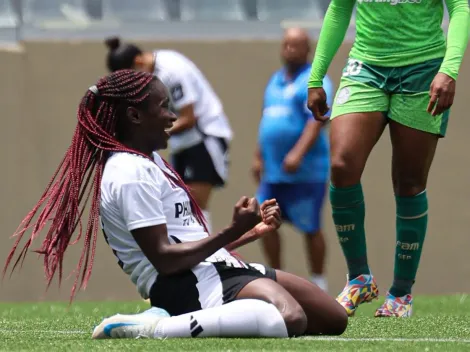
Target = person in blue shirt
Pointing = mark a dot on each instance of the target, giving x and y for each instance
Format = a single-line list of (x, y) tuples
[(291, 162)]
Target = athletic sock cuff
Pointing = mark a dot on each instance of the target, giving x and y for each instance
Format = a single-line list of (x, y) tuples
[(345, 197), (412, 207)]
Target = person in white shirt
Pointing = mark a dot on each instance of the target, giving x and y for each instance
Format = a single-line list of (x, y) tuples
[(197, 288), (201, 136)]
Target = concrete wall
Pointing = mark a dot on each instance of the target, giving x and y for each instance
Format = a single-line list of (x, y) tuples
[(43, 82)]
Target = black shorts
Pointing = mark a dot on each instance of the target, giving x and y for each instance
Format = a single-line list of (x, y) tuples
[(204, 288), (204, 162)]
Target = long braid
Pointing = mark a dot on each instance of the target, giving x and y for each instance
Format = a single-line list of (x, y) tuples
[(78, 177)]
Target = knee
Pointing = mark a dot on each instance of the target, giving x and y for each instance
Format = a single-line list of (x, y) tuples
[(337, 322), (408, 186), (344, 171), (295, 320)]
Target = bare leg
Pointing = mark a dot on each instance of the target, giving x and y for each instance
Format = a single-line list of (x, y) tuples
[(316, 252), (324, 315), (413, 153), (305, 307)]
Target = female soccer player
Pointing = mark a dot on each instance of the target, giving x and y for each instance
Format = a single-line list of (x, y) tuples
[(400, 72), (157, 231), (200, 138)]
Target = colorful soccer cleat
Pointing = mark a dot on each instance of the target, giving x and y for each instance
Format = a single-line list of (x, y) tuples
[(130, 326), (400, 307), (360, 290)]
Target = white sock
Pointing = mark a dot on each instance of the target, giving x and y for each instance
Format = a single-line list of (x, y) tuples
[(207, 215), (242, 318), (320, 281)]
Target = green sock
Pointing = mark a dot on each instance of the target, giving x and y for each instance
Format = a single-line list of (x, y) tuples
[(412, 220), (348, 215)]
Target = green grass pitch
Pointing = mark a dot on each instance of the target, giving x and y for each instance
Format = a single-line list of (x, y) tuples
[(440, 323)]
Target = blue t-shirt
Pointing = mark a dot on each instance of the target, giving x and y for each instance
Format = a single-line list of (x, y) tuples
[(285, 115)]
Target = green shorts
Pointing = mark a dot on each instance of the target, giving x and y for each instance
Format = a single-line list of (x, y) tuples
[(401, 93)]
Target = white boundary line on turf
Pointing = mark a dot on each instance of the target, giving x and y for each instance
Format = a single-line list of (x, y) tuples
[(385, 339), (59, 332), (313, 338)]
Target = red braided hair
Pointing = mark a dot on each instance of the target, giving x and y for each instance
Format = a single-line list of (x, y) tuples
[(78, 177)]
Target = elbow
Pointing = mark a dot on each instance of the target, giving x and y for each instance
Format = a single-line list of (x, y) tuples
[(166, 264), (165, 268)]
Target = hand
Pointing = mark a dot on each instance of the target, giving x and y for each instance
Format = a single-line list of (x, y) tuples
[(291, 162), (246, 215), (317, 103), (442, 94), (257, 169), (271, 215)]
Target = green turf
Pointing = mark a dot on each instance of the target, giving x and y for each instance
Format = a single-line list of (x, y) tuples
[(51, 327)]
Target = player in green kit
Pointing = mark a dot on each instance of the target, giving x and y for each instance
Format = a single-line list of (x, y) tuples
[(400, 72)]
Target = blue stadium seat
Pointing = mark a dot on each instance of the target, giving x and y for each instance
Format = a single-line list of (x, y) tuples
[(228, 10)]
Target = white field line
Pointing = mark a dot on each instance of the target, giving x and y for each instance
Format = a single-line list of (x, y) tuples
[(313, 338), (386, 339)]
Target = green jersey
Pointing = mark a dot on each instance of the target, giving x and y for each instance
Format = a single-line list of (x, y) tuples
[(398, 32), (394, 33)]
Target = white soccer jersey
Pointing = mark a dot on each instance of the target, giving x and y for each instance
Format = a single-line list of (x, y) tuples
[(135, 193), (187, 85)]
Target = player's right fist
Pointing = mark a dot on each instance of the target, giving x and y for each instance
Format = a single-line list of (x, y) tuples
[(246, 215), (316, 103)]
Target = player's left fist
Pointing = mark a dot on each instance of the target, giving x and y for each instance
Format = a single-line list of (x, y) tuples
[(271, 217), (441, 94)]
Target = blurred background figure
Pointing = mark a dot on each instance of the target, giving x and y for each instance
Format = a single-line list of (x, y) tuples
[(201, 135), (291, 163)]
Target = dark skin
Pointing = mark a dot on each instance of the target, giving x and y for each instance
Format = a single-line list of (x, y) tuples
[(305, 308), (201, 191), (353, 136)]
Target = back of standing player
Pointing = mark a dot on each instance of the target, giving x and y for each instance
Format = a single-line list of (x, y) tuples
[(201, 136)]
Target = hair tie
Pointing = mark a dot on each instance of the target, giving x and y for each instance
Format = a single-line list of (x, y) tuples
[(94, 90)]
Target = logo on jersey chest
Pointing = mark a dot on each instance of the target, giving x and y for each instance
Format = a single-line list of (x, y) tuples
[(183, 209)]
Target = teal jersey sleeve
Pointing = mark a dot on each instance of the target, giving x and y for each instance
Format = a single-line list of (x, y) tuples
[(457, 37)]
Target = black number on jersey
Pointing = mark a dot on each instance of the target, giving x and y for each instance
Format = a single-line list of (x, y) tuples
[(188, 221)]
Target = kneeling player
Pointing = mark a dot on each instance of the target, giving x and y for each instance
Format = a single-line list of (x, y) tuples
[(158, 233)]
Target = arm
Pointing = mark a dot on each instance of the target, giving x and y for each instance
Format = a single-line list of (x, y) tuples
[(248, 237), (271, 220), (257, 167), (312, 128), (186, 120), (334, 29), (307, 139), (139, 203), (183, 98), (171, 259), (457, 37)]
